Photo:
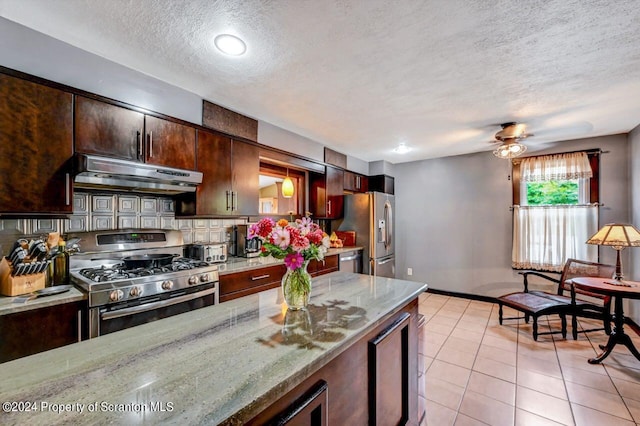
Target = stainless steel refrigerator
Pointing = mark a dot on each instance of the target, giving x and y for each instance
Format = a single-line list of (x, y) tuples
[(371, 216)]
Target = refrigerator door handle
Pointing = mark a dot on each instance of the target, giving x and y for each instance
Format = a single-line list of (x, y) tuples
[(388, 218), (391, 259)]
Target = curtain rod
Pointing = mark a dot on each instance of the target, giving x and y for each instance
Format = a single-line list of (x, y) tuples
[(547, 206), (594, 151)]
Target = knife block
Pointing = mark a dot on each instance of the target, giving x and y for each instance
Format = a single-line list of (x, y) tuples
[(15, 286)]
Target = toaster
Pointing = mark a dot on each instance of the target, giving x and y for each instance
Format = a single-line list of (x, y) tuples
[(206, 252)]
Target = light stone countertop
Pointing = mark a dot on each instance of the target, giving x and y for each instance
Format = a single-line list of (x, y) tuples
[(220, 364), (240, 264), (8, 304)]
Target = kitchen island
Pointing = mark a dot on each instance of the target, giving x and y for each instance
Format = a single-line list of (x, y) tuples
[(226, 363)]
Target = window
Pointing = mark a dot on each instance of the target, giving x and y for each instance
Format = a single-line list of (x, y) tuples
[(272, 202), (555, 210)]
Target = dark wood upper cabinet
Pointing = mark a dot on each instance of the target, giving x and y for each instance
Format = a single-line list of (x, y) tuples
[(355, 182), (326, 193), (170, 144), (109, 130), (36, 148), (113, 131), (245, 181), (214, 161), (382, 183), (230, 171)]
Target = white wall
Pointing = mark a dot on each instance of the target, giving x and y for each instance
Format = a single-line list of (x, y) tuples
[(453, 220), (633, 267), (277, 137), (29, 51)]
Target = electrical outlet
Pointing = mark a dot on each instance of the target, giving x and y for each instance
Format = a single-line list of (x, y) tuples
[(409, 271)]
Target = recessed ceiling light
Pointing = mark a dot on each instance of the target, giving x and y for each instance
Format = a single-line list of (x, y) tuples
[(230, 44), (402, 149)]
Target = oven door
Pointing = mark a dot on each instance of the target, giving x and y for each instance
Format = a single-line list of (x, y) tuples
[(105, 320)]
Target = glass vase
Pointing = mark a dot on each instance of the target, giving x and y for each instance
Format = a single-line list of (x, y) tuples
[(296, 287)]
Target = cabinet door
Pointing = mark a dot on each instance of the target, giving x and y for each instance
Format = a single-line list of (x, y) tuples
[(311, 409), (355, 182), (36, 146), (170, 144), (37, 330), (108, 130), (334, 184), (361, 183), (246, 176), (349, 181), (213, 196), (389, 374), (326, 193)]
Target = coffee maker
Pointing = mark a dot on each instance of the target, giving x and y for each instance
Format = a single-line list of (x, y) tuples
[(241, 245)]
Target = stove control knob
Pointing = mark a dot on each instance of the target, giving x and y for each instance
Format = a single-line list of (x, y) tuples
[(204, 278), (167, 285), (116, 295), (192, 280), (135, 292)]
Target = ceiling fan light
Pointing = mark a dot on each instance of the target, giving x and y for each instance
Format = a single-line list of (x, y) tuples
[(509, 150)]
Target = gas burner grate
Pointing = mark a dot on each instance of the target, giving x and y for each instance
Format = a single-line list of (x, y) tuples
[(118, 272)]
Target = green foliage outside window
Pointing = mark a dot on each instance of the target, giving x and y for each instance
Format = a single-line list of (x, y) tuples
[(552, 192)]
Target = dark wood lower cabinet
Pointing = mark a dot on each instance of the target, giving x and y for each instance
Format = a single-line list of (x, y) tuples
[(321, 267), (308, 410), (239, 284), (244, 283), (389, 374), (38, 330), (358, 382)]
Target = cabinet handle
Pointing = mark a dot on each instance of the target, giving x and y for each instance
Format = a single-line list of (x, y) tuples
[(67, 189), (357, 182), (329, 208), (227, 194), (234, 200), (139, 139), (150, 144), (79, 325), (260, 277)]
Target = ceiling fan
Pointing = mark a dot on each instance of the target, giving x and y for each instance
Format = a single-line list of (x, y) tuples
[(509, 138)]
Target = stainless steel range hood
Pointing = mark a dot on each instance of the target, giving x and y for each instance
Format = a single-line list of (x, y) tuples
[(96, 172)]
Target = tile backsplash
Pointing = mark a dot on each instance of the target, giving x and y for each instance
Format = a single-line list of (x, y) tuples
[(106, 211)]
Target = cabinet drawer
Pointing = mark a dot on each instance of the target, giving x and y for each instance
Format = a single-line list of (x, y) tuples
[(329, 264), (250, 280)]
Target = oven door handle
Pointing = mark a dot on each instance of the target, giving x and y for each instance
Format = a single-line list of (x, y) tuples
[(155, 305)]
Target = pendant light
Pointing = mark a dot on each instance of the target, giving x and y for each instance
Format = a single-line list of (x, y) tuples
[(287, 186)]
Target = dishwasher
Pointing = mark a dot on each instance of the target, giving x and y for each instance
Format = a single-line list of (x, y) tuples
[(351, 261)]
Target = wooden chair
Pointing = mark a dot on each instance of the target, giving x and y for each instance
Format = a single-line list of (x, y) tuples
[(576, 303)]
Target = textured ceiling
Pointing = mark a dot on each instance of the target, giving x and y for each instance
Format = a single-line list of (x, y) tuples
[(362, 76)]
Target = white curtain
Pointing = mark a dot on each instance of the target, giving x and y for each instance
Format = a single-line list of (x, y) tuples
[(574, 165), (545, 237)]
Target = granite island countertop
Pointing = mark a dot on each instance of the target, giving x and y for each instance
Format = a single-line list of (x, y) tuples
[(220, 364)]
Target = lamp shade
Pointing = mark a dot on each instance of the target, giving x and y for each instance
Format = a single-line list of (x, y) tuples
[(287, 187), (618, 235)]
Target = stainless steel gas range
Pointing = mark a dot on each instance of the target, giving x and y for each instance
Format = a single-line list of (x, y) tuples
[(137, 276)]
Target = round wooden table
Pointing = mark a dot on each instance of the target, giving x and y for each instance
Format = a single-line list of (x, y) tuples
[(608, 286)]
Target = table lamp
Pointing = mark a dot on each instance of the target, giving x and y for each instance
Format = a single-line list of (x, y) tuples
[(618, 236)]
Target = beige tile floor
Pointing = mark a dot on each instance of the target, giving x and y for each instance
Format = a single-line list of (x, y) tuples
[(478, 372)]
